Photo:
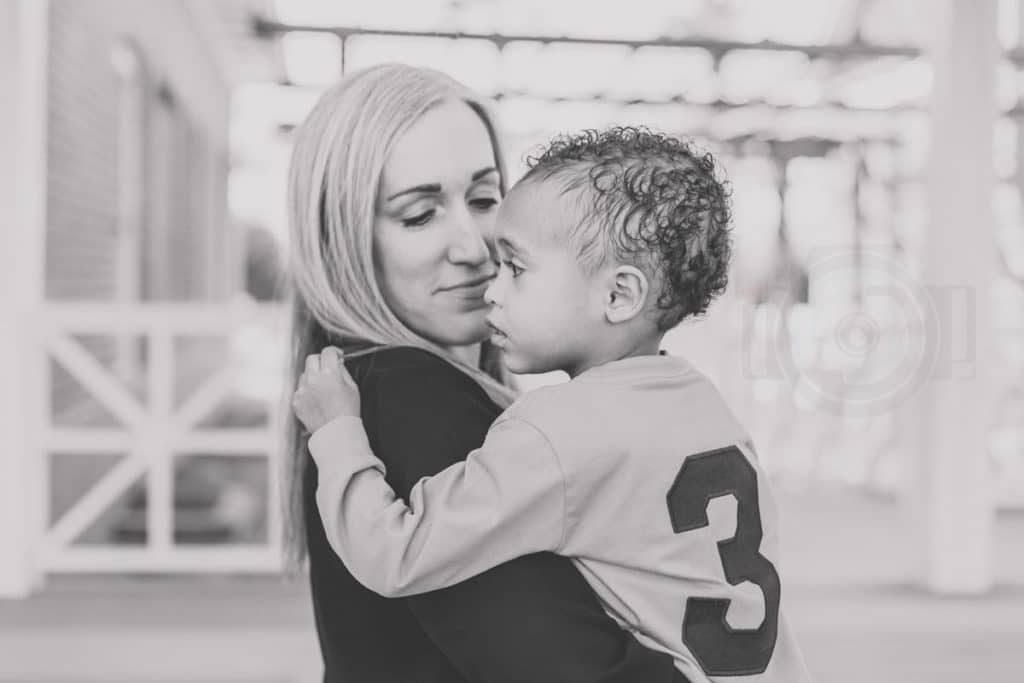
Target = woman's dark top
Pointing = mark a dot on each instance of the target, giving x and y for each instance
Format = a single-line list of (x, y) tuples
[(531, 620)]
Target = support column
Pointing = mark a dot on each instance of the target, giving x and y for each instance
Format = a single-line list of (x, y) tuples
[(23, 44), (949, 487)]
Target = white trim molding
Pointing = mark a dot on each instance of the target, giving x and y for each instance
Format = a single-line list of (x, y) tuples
[(23, 75)]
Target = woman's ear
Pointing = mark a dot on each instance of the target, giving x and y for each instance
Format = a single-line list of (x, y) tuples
[(627, 296)]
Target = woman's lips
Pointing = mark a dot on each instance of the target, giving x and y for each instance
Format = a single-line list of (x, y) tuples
[(472, 289)]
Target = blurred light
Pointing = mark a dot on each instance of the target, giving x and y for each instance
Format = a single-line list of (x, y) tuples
[(915, 132), (257, 196), (523, 115), (833, 124), (803, 22), (819, 204), (756, 210), (1008, 314), (473, 62), (421, 14), (1007, 85), (1008, 23), (875, 200), (259, 151), (880, 160), (563, 117), (1005, 139), (885, 83), (273, 104), (493, 17), (898, 22), (671, 118), (755, 74), (125, 61), (560, 70), (662, 73), (638, 19), (260, 350), (741, 121), (312, 59), (314, 12), (803, 91)]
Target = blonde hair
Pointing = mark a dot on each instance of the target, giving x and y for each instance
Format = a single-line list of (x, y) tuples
[(339, 155)]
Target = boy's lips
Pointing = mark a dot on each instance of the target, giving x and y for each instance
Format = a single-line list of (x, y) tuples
[(498, 336)]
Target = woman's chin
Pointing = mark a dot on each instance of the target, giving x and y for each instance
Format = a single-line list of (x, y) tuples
[(516, 364), (460, 331)]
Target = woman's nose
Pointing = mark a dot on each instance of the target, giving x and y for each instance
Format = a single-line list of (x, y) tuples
[(467, 246)]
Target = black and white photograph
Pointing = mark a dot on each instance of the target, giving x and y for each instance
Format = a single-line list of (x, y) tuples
[(511, 341)]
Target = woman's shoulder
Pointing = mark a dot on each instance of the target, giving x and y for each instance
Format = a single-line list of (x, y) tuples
[(431, 399), (399, 360), (397, 368)]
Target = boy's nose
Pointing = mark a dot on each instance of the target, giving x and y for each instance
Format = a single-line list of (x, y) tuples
[(493, 292)]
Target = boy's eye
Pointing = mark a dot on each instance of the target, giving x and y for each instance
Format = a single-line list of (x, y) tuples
[(516, 270), (420, 219)]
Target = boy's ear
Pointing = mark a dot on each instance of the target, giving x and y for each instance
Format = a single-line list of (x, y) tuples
[(626, 297)]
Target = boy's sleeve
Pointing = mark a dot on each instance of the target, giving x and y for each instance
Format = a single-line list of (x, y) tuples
[(531, 619), (506, 500)]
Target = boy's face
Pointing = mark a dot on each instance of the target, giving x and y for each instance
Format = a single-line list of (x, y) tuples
[(547, 310)]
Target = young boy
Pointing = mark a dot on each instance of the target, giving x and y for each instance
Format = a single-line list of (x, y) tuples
[(635, 468)]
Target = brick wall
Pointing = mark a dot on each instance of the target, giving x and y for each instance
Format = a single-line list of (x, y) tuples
[(183, 142)]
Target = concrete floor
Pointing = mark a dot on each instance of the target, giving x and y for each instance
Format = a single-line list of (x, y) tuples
[(862, 616), (847, 589)]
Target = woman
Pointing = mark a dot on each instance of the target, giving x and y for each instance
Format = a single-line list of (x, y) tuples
[(395, 179)]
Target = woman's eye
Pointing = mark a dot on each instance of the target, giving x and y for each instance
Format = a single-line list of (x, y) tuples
[(483, 203), (420, 219)]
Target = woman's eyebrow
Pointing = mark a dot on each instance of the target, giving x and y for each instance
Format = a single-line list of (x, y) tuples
[(429, 188), (435, 188)]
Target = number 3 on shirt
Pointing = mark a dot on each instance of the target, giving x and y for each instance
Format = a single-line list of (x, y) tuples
[(720, 649)]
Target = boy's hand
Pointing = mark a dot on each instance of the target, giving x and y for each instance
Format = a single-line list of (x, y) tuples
[(325, 390)]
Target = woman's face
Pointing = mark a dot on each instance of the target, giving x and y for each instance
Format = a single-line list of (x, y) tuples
[(438, 196)]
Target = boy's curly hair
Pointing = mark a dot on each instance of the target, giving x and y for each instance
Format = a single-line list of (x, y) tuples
[(650, 200)]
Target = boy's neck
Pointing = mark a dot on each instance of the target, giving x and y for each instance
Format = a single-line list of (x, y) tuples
[(648, 345)]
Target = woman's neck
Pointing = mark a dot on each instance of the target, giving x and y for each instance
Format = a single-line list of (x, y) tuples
[(470, 355)]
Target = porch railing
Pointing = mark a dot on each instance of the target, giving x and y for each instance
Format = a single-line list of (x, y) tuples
[(154, 429)]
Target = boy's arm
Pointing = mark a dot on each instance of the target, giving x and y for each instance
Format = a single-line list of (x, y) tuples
[(506, 500), (531, 619)]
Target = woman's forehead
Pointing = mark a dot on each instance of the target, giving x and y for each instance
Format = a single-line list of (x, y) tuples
[(448, 144)]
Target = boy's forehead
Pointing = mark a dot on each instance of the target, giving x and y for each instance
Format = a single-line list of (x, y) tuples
[(534, 210)]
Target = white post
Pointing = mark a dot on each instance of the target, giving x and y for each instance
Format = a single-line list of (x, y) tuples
[(950, 488), (23, 45)]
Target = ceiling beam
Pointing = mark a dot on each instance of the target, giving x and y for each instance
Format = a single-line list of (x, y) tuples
[(267, 27), (839, 51)]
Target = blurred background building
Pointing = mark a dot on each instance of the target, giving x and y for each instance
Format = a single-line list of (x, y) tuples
[(872, 337)]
